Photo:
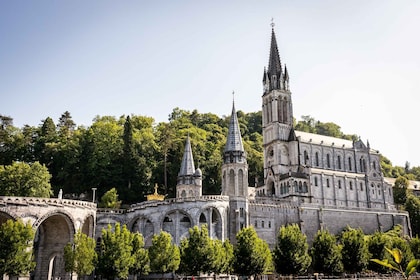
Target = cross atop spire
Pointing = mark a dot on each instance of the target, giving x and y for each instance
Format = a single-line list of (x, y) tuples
[(272, 23)]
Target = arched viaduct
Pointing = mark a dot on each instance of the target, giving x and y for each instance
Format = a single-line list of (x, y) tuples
[(55, 222)]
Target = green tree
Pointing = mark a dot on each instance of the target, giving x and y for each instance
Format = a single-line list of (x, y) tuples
[(291, 254), (164, 256), (252, 254), (377, 243), (110, 200), (415, 247), (22, 179), (326, 254), (140, 254), (412, 206), (222, 257), (400, 190), (196, 252), (354, 251), (16, 256), (115, 257), (80, 255)]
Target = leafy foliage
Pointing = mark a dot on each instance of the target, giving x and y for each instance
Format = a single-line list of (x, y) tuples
[(22, 179), (121, 252), (252, 254), (80, 256), (16, 256), (196, 252), (412, 206), (396, 263), (355, 253), (291, 252), (110, 200), (164, 256), (326, 254)]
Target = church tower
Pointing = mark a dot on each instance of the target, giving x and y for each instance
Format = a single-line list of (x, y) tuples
[(281, 155), (235, 166), (235, 177), (189, 182)]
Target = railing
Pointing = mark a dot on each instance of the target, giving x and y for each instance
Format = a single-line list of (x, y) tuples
[(30, 201)]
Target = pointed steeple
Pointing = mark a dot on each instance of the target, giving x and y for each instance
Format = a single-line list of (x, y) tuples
[(187, 164), (275, 77), (234, 139), (274, 63)]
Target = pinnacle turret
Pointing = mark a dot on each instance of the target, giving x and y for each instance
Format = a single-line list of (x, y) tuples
[(234, 139), (234, 149), (187, 164)]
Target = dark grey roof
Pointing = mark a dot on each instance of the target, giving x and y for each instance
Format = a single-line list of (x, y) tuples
[(234, 139), (274, 63), (187, 164)]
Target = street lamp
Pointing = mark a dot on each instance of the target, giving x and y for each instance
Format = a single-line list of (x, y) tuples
[(93, 196)]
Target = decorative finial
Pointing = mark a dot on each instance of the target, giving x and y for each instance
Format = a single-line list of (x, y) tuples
[(233, 95), (272, 23)]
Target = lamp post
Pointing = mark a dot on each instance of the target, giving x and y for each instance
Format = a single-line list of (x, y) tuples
[(93, 196)]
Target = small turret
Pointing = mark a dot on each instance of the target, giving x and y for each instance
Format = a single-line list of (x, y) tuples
[(189, 183)]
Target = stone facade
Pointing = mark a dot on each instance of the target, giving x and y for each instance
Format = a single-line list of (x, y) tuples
[(55, 222)]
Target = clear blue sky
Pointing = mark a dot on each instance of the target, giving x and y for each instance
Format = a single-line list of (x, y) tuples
[(354, 63)]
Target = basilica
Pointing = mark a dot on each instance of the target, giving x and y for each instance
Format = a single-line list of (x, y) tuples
[(315, 181)]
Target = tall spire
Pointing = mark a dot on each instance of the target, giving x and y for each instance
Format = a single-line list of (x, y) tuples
[(187, 164), (274, 63), (275, 78), (234, 139)]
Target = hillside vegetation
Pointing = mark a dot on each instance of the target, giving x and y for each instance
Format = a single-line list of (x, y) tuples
[(132, 153)]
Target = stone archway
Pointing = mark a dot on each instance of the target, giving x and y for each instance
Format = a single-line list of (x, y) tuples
[(177, 223), (52, 234), (145, 227), (88, 226), (212, 217)]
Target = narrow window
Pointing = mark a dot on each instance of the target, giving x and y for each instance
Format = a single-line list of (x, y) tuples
[(339, 162), (350, 163), (316, 181), (269, 224), (328, 183), (316, 159), (339, 184), (351, 185), (328, 161), (262, 224)]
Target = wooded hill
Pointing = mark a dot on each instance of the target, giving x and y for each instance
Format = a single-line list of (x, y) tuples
[(132, 153)]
